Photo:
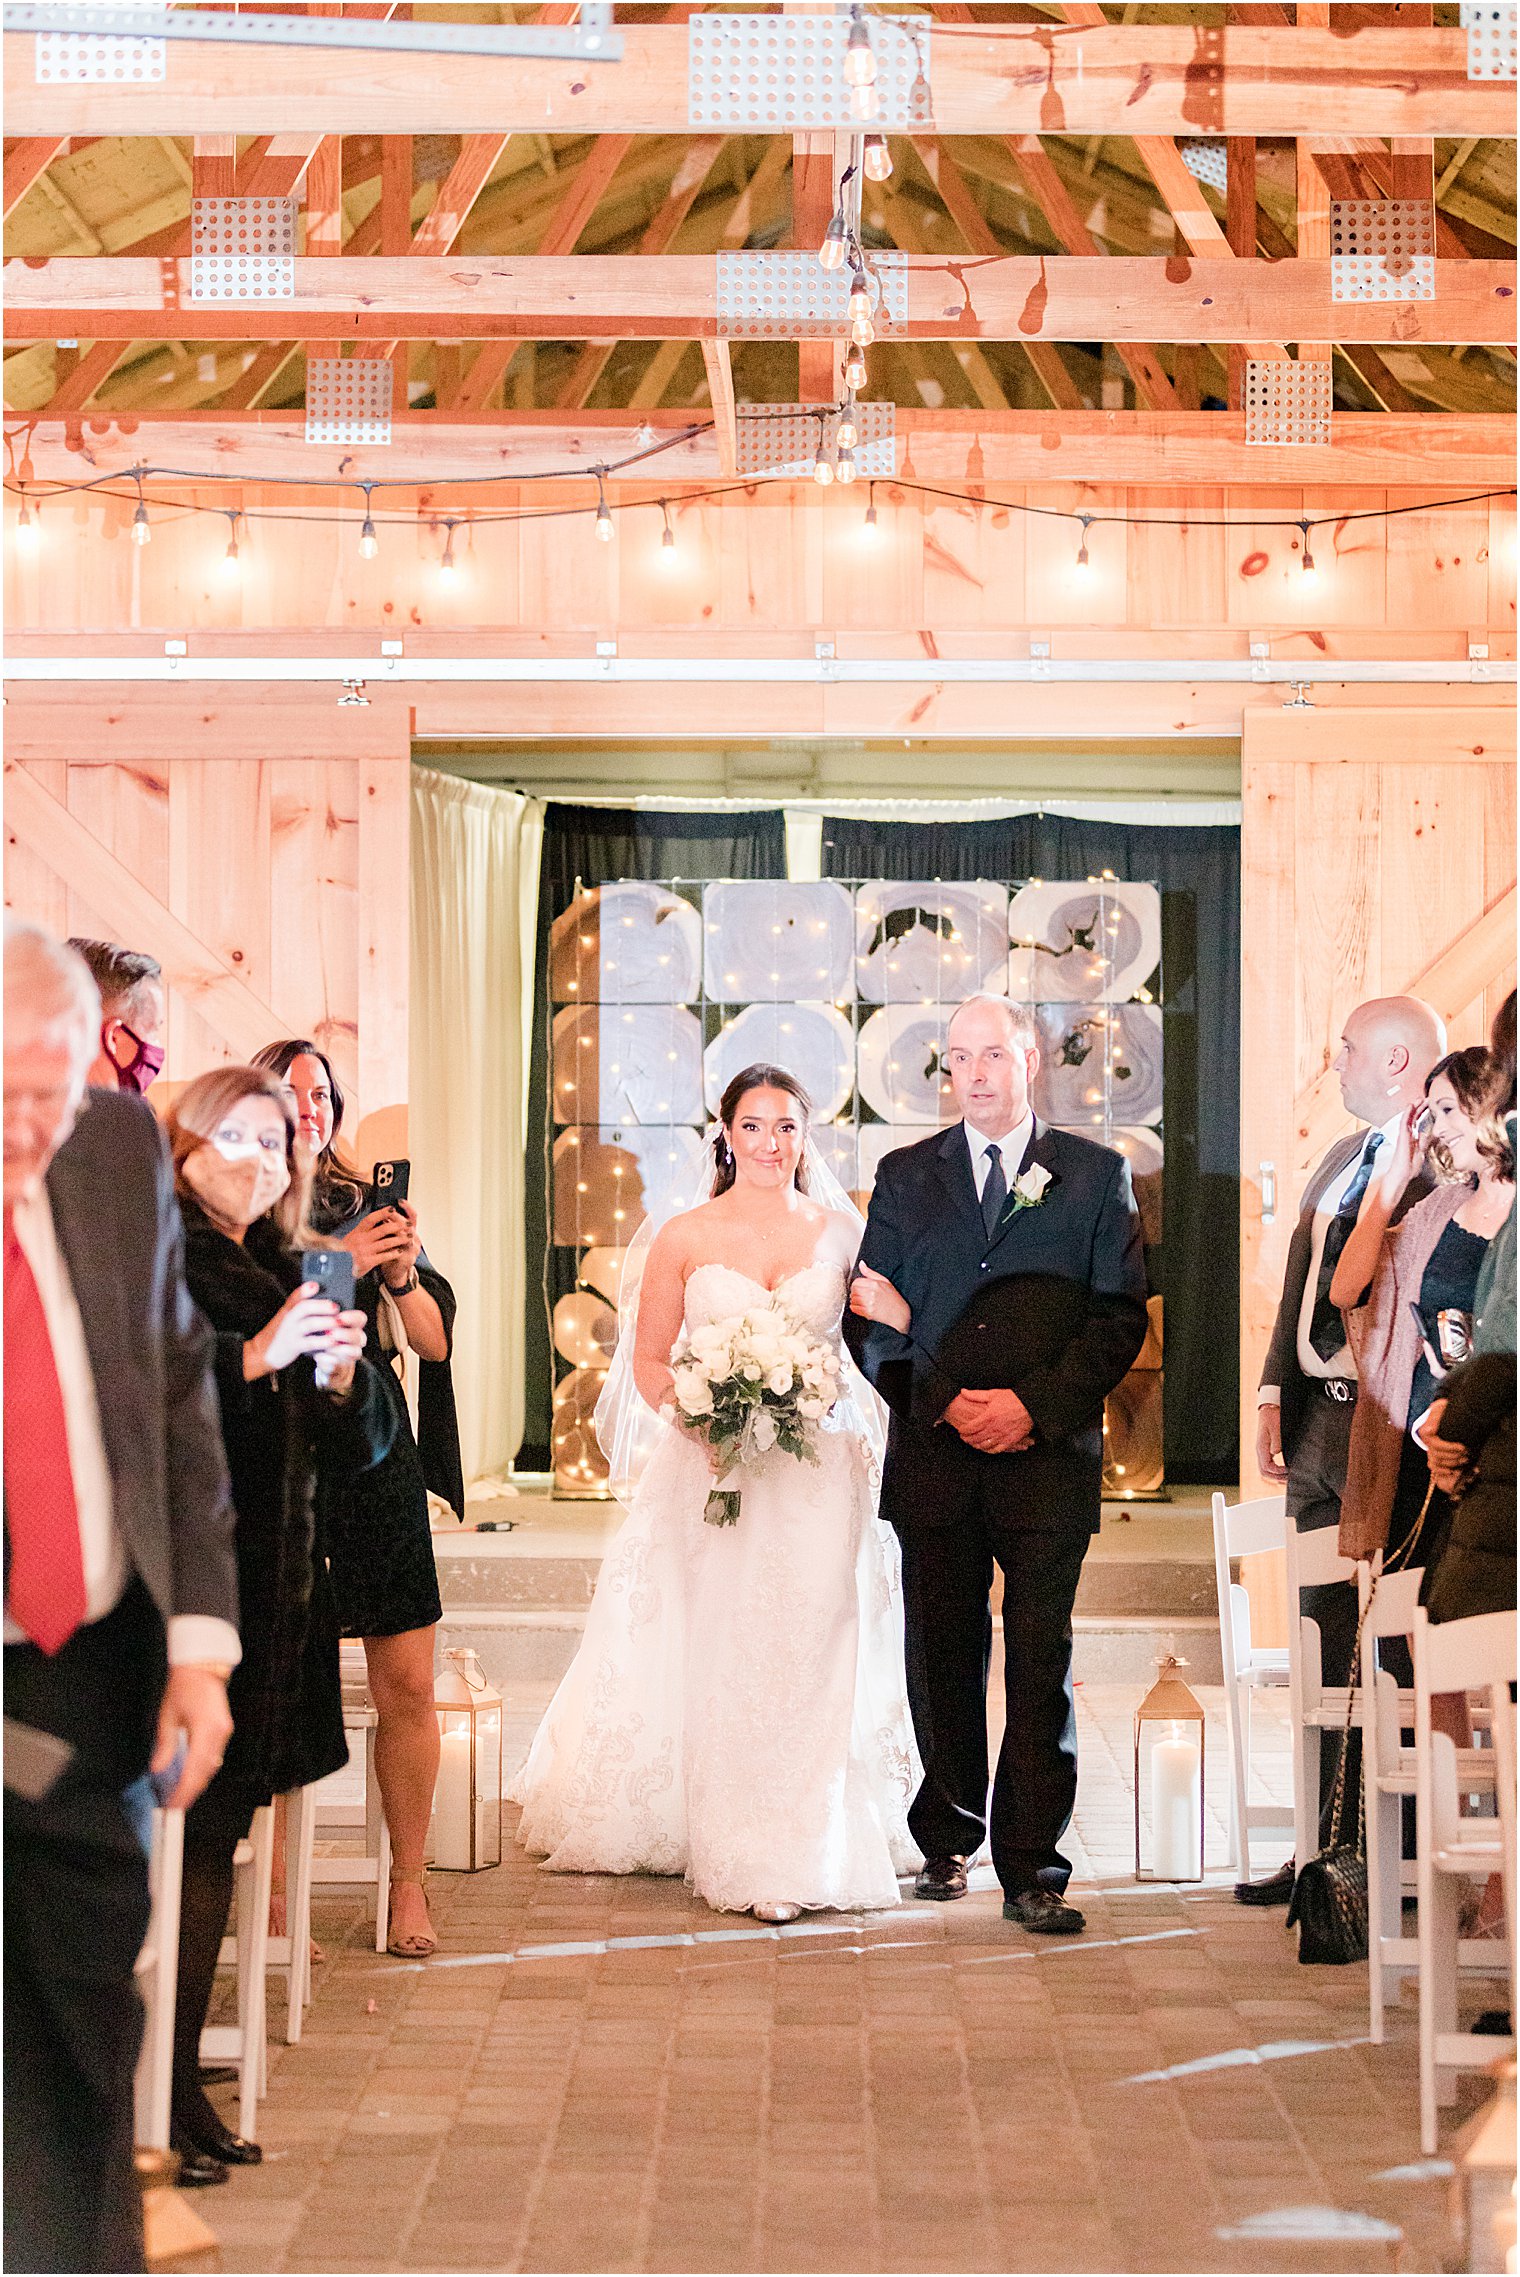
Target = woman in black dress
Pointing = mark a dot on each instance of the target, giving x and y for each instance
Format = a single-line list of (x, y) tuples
[(298, 1405), (375, 1528)]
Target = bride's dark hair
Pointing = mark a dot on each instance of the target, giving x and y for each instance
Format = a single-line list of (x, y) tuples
[(761, 1077)]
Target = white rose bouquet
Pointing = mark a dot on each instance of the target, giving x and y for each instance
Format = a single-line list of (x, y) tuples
[(747, 1385)]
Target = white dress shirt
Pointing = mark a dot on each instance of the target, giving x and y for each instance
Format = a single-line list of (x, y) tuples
[(1012, 1147), (192, 1636), (1326, 1209)]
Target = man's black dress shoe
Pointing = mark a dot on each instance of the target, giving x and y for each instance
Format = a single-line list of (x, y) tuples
[(1275, 1890), (1044, 1913), (198, 2170), (215, 2141), (941, 1878)]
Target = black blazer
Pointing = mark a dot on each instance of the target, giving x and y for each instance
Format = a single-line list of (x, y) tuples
[(118, 1224), (1281, 1364), (1053, 1308)]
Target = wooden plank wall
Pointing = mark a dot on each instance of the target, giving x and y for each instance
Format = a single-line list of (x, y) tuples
[(777, 560), (271, 881), (1373, 843)]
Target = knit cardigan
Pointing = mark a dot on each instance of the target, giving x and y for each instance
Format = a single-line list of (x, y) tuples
[(1385, 1344)]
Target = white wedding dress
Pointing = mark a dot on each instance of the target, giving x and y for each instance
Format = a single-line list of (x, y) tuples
[(736, 1712)]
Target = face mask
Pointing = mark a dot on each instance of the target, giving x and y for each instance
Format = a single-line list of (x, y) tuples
[(235, 1183), (141, 1068)]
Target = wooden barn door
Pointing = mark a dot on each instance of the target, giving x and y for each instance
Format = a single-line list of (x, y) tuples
[(1378, 859), (254, 840)]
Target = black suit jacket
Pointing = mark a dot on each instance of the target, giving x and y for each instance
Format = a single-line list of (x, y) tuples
[(111, 1189), (1052, 1307), (1281, 1365)]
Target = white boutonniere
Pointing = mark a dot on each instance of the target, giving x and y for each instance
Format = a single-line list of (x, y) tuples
[(1029, 1188)]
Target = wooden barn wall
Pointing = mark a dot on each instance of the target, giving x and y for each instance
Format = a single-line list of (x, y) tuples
[(1378, 858), (777, 560)]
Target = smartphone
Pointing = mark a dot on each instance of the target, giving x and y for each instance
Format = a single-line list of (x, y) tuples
[(390, 1184), (1437, 1368), (333, 1272), (1422, 1126)]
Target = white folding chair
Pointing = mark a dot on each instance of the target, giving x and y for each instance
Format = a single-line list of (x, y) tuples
[(292, 1952), (1247, 1530), (1458, 1656), (1313, 1558), (374, 1866), (157, 1980), (245, 2043)]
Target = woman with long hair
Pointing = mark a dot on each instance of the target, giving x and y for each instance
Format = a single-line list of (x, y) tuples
[(375, 1528), (298, 1404), (737, 1710)]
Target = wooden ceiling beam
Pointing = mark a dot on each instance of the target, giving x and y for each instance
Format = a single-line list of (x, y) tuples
[(677, 203), (1430, 453), (960, 203), (94, 367), (25, 161), (558, 296), (1055, 79), (720, 394)]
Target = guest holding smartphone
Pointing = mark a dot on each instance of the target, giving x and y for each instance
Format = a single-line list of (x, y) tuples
[(298, 1404), (375, 1527), (1408, 1293)]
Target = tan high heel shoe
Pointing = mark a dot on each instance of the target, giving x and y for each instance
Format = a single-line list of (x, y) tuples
[(419, 1944)]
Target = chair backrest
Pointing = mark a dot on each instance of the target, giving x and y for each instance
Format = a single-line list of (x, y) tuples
[(1315, 1558), (1250, 1528), (1455, 1656), (1391, 1613)]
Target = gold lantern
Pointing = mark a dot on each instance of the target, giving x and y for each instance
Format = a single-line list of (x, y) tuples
[(1169, 1778), (467, 1799)]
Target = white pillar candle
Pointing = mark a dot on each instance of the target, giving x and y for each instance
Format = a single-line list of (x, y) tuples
[(1176, 1805), (451, 1803)]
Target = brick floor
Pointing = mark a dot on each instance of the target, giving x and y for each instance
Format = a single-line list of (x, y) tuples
[(926, 2090)]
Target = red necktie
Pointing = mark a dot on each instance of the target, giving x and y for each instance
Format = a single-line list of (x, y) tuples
[(45, 1592)]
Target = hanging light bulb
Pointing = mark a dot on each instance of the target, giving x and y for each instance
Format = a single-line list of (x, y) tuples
[(872, 525), (142, 534), (878, 158), (448, 566), (231, 565), (603, 514), (823, 470), (855, 368), (860, 294), (847, 434), (863, 102), (845, 469), (862, 331), (832, 251), (859, 55), (667, 537), (369, 543), (1083, 559), (26, 526), (1307, 564)]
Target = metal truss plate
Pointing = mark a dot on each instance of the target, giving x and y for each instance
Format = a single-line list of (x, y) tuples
[(131, 58), (1490, 40), (1382, 249), (348, 399), (242, 276), (1207, 162), (787, 296), (1286, 402), (780, 440), (762, 74), (238, 227), (590, 39)]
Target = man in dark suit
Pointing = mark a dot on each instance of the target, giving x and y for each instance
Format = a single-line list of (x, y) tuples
[(1000, 1298), (1308, 1381), (120, 1601)]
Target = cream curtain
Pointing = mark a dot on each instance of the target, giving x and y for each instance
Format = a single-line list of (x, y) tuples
[(475, 863)]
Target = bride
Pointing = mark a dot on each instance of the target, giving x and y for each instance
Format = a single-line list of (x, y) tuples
[(736, 1712)]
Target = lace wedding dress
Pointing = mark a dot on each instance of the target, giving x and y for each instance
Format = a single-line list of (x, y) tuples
[(736, 1712)]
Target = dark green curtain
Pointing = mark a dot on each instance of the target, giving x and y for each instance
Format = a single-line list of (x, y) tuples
[(1198, 871), (592, 845)]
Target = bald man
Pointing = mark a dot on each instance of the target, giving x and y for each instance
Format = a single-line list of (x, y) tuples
[(1308, 1385)]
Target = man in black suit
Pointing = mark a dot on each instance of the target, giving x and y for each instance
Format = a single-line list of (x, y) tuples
[(1308, 1381), (120, 1601), (1000, 1298)]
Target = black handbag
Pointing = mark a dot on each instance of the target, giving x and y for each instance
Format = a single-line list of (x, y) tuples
[(1329, 1902)]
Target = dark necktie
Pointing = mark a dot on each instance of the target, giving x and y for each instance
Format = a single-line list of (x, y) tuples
[(1327, 1330), (994, 1192), (45, 1586)]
